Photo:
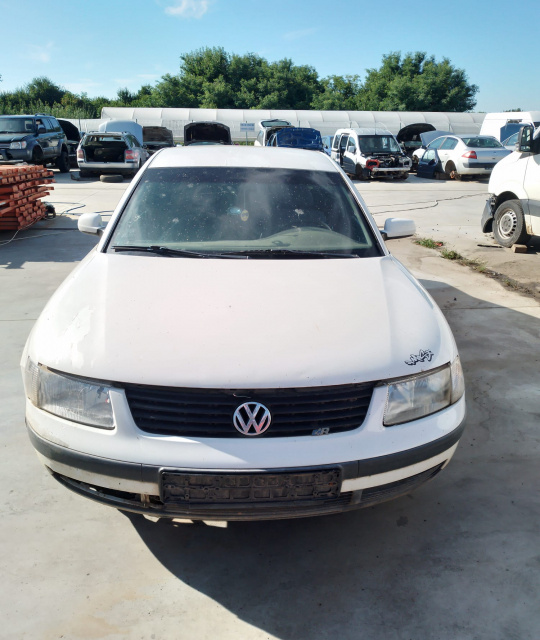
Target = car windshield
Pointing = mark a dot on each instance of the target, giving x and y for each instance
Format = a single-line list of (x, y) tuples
[(378, 144), (257, 212), (482, 143), (17, 125)]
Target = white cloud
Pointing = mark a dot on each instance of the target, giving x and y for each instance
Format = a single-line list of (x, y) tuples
[(188, 8), (302, 33), (40, 53)]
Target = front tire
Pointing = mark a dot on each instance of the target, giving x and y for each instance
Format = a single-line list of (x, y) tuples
[(62, 162), (359, 175), (509, 224), (37, 156)]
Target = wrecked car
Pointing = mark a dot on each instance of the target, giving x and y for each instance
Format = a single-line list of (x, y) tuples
[(370, 153)]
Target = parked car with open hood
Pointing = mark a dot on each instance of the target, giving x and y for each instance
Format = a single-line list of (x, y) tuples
[(156, 138), (206, 133), (370, 153), (111, 152), (410, 136), (73, 138), (274, 360), (267, 128), (297, 138)]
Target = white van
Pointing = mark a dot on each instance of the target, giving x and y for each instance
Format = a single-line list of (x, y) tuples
[(513, 209), (370, 153), (503, 125)]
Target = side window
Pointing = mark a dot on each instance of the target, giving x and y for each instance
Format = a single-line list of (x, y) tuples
[(430, 154), (48, 124), (436, 143), (134, 141), (343, 142), (56, 125), (335, 142), (351, 146), (449, 143)]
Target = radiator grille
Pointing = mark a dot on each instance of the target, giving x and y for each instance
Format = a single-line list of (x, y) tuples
[(208, 413)]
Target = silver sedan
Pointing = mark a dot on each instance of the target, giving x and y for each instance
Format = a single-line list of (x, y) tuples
[(465, 155)]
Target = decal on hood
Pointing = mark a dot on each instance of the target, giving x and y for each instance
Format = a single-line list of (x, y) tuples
[(423, 356)]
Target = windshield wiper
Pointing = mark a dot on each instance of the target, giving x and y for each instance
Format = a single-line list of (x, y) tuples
[(293, 253), (179, 253)]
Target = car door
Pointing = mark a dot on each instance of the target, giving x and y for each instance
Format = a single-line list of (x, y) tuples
[(57, 136), (349, 156), (334, 153), (428, 164), (445, 150), (342, 146)]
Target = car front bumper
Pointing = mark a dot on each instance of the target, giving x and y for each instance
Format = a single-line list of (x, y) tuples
[(216, 494), (11, 156)]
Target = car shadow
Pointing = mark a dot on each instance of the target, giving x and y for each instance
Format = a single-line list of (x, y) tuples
[(430, 564)]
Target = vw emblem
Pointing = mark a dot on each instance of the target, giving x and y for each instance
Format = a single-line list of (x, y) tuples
[(252, 419)]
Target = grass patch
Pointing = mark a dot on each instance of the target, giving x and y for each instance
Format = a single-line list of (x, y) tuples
[(429, 243), (450, 254)]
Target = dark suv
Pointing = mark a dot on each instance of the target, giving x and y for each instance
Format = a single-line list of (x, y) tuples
[(38, 139)]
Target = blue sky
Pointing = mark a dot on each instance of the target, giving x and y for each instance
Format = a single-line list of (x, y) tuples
[(98, 46)]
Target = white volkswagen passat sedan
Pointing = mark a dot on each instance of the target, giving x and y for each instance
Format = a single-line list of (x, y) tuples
[(241, 345)]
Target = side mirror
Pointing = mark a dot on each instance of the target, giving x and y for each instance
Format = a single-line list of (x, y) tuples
[(525, 138), (41, 129), (399, 227), (91, 223)]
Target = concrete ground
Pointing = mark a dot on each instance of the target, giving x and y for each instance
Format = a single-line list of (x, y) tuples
[(457, 559), (451, 212)]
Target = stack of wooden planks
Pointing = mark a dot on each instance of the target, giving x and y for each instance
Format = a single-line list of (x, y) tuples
[(21, 190)]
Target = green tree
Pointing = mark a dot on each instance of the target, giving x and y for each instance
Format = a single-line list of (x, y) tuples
[(338, 93), (45, 90), (416, 82)]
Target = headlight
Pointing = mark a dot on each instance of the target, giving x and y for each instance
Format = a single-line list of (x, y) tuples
[(426, 393), (18, 145), (68, 397)]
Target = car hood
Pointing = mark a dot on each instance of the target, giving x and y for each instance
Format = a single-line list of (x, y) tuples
[(158, 135), (12, 137), (199, 132), (240, 324)]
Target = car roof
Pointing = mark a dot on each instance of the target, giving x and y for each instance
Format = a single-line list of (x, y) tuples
[(367, 131), (242, 156)]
